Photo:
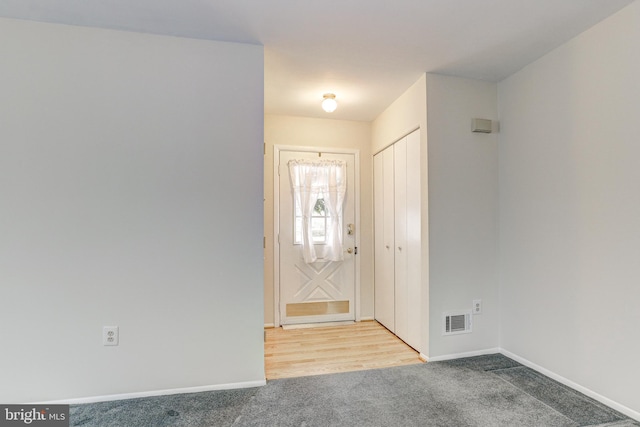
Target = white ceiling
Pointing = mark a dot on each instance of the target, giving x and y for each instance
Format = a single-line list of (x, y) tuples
[(367, 52)]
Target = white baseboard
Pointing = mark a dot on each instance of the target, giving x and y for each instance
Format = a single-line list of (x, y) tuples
[(562, 380), (367, 318), (269, 325), (111, 397), (461, 355)]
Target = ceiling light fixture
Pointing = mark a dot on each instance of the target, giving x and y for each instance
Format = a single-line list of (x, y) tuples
[(329, 103)]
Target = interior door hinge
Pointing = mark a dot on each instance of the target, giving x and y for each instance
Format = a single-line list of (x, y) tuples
[(264, 242), (355, 251), (264, 148)]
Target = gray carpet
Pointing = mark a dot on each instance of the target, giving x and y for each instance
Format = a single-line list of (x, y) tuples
[(478, 391)]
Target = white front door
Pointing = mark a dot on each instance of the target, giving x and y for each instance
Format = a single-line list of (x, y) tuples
[(323, 291)]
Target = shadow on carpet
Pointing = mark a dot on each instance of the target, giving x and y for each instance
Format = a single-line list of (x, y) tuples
[(489, 391)]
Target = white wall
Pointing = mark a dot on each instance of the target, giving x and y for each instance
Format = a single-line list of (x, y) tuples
[(131, 187), (303, 131), (404, 115), (463, 211), (570, 210)]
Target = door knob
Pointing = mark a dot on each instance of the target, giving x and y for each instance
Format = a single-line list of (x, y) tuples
[(350, 250)]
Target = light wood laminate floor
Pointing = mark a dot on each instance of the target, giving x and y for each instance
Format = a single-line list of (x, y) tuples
[(325, 350)]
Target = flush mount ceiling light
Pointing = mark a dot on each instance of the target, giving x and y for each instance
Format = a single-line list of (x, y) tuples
[(329, 103)]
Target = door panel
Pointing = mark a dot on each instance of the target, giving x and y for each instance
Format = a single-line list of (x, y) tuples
[(384, 238), (323, 291), (400, 221), (413, 241)]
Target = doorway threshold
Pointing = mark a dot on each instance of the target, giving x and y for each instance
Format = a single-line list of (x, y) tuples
[(317, 325)]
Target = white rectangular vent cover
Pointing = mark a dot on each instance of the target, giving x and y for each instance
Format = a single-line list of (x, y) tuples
[(456, 323)]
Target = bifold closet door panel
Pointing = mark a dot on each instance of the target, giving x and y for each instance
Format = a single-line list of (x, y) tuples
[(413, 241), (384, 238), (400, 226)]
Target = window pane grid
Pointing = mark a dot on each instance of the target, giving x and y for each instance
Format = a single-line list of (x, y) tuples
[(318, 223)]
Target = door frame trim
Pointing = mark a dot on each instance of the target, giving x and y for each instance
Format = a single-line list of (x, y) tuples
[(276, 220)]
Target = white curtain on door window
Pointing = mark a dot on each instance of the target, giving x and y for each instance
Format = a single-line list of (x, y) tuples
[(310, 180)]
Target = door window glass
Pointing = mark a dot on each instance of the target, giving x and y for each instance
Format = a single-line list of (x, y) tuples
[(318, 223)]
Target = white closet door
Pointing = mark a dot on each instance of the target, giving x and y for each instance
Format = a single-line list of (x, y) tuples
[(400, 222), (413, 241), (398, 260), (384, 238)]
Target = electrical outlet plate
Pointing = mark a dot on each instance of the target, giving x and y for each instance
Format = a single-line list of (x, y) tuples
[(477, 306), (110, 335)]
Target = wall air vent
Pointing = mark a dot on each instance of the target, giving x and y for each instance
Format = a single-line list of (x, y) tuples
[(456, 323), (481, 125)]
